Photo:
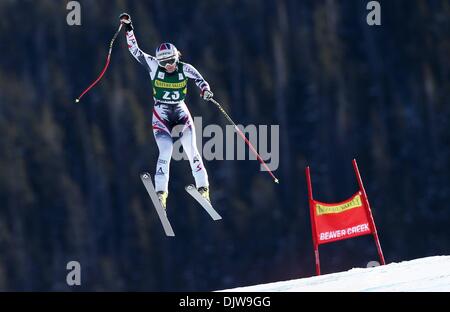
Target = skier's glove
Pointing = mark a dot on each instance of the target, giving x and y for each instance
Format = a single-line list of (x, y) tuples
[(125, 19), (207, 95)]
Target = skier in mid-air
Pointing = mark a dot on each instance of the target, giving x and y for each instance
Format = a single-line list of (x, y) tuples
[(169, 78)]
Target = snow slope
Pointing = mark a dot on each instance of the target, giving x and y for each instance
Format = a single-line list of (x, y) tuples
[(427, 274)]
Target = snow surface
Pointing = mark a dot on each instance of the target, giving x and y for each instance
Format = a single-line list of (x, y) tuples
[(430, 274)]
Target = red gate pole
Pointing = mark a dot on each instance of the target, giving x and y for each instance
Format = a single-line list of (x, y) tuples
[(369, 212), (313, 221)]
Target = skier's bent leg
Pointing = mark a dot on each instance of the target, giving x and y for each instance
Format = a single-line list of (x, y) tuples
[(190, 147), (165, 146)]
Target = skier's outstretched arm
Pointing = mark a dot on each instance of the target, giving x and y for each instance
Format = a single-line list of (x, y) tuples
[(192, 73), (143, 58)]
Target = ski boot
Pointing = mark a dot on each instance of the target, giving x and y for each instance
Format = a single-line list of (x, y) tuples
[(204, 191), (162, 196)]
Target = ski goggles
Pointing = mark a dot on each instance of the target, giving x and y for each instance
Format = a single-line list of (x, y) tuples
[(170, 61)]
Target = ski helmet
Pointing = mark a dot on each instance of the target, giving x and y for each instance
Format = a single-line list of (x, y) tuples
[(166, 54)]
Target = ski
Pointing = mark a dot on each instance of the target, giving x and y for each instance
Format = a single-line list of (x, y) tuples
[(146, 179), (192, 190)]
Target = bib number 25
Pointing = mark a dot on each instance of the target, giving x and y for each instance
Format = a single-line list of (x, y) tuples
[(171, 95)]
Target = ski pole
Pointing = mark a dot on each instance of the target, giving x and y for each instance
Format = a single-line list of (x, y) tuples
[(245, 139), (105, 68)]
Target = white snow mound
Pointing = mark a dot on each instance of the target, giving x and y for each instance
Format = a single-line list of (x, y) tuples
[(430, 274)]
